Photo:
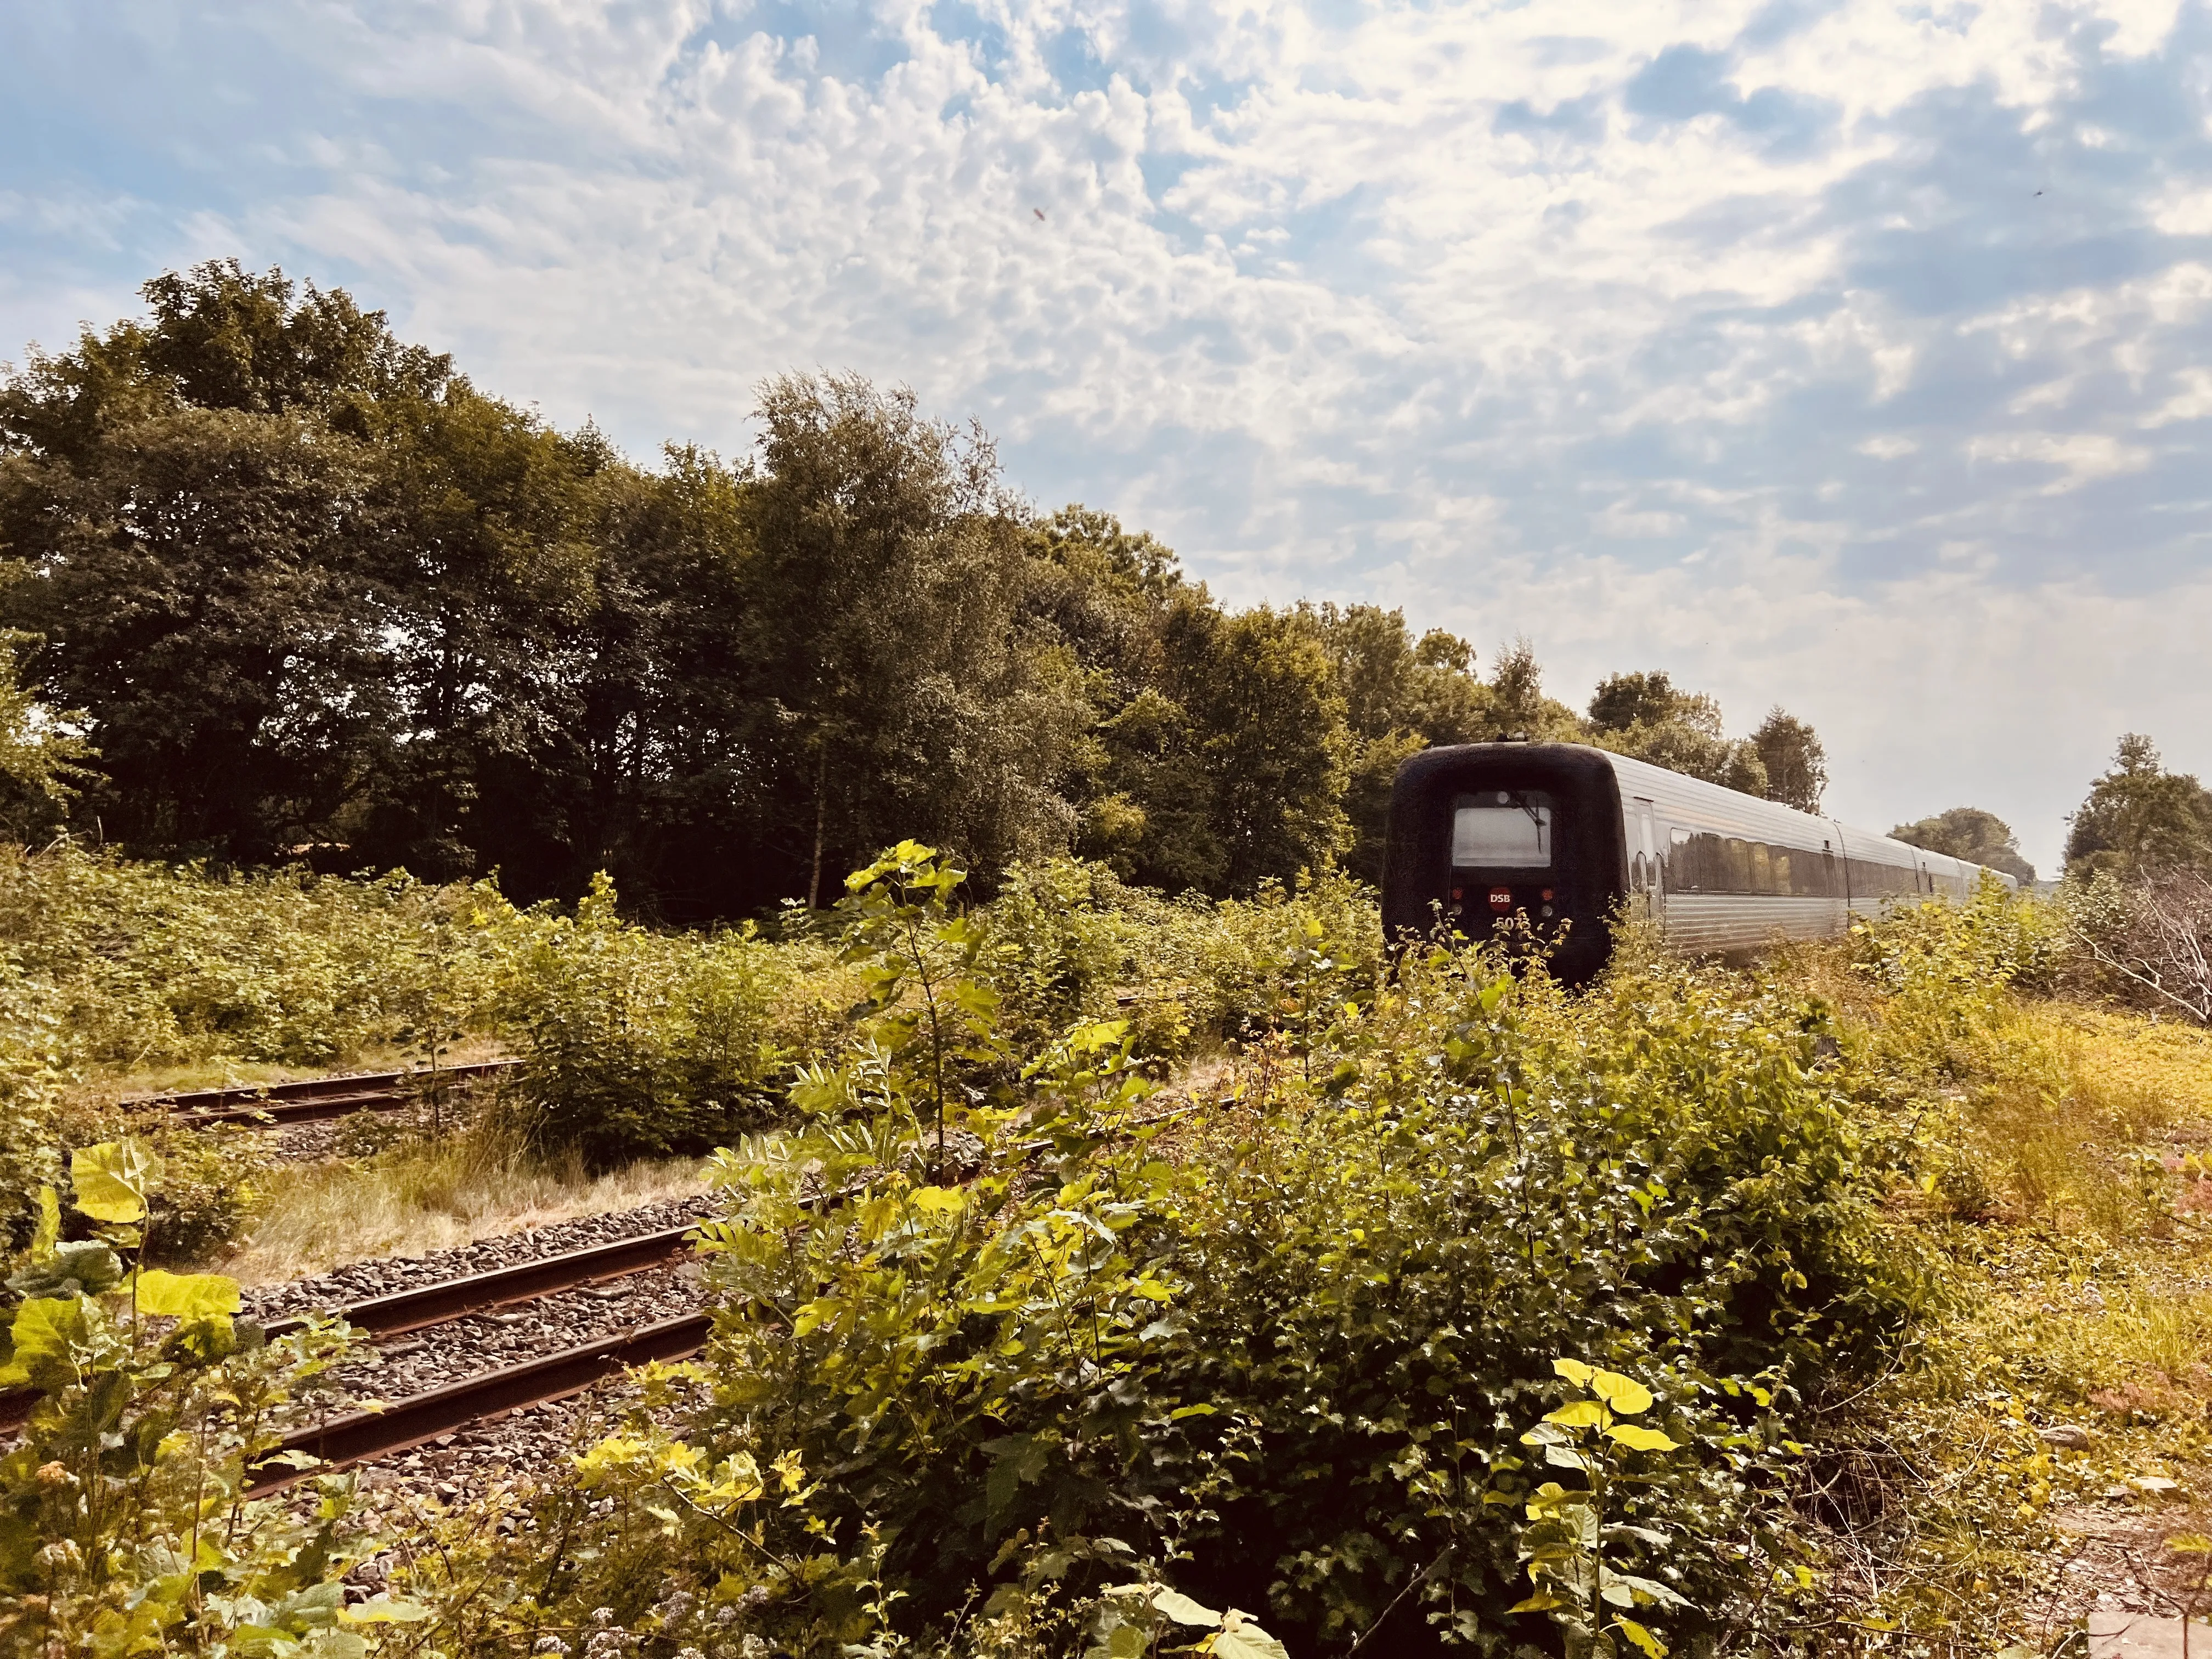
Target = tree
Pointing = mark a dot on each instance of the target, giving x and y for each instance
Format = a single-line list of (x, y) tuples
[(42, 754), (1517, 706), (1268, 721), (1967, 832), (1647, 716), (892, 693), (1623, 702), (207, 586), (1400, 696), (2140, 817), (1796, 763)]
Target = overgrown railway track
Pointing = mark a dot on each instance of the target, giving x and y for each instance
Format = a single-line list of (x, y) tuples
[(361, 1435), (314, 1098), (434, 1413)]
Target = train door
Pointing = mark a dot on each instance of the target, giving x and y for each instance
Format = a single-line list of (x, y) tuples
[(1647, 883)]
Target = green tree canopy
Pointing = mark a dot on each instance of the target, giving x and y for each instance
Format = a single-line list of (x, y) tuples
[(2139, 817), (1400, 696), (1647, 716), (1795, 761), (1968, 832)]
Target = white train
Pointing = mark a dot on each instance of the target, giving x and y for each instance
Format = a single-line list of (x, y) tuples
[(1569, 836)]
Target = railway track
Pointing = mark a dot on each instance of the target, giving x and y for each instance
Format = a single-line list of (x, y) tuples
[(435, 1413), (367, 1434), (422, 1417), (315, 1098)]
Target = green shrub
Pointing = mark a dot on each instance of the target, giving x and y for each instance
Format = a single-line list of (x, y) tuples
[(31, 1075), (639, 1044), (1008, 1358), (125, 1526), (1071, 941), (147, 964)]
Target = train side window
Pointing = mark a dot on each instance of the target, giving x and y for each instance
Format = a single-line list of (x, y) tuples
[(1783, 870), (1736, 865), (1681, 864)]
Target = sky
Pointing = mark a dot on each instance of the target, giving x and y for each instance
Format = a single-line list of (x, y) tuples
[(1851, 357)]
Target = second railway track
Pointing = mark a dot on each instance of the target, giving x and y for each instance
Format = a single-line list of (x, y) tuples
[(312, 1099)]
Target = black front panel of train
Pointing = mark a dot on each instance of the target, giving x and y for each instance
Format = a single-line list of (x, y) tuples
[(1497, 838)]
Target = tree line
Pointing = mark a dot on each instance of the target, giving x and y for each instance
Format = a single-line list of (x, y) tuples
[(307, 592)]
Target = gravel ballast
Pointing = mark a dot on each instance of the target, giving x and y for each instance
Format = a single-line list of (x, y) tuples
[(360, 1281)]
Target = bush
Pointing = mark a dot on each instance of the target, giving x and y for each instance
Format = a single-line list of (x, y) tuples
[(125, 1526), (1017, 1356), (31, 1075), (1071, 941), (638, 1044), (149, 965)]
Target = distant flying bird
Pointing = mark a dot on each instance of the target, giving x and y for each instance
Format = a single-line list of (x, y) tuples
[(2039, 193), (1039, 211)]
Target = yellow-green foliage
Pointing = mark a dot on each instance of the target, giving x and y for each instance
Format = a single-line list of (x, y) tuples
[(125, 1525), (31, 1075), (640, 1044), (1070, 940), (145, 964)]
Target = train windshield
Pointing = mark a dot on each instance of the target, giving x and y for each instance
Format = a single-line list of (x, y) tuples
[(1502, 828)]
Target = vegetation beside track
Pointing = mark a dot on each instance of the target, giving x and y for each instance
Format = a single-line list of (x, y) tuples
[(1904, 1247)]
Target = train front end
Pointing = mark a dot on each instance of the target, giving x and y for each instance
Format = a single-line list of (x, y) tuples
[(1507, 839)]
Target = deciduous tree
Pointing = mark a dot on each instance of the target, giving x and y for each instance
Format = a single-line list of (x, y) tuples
[(2141, 816), (1968, 832)]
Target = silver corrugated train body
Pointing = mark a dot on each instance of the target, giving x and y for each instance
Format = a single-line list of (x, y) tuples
[(1565, 838)]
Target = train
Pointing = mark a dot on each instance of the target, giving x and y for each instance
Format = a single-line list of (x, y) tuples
[(1557, 840)]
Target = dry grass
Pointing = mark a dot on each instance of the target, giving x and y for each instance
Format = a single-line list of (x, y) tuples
[(2083, 1297), (2080, 1116), (434, 1196)]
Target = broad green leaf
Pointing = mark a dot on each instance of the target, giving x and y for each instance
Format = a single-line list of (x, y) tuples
[(48, 1329), (1643, 1638), (1184, 1610), (112, 1181), (1542, 1601), (1581, 1414), (184, 1296), (77, 1266), (937, 1200), (1642, 1590), (1640, 1439), (1019, 1459), (1624, 1394), (1240, 1638), (1574, 1371)]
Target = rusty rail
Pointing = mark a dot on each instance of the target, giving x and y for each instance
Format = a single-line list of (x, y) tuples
[(526, 1281), (423, 1417), (313, 1098), (457, 1298)]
